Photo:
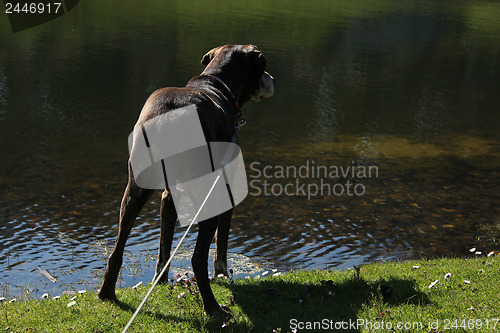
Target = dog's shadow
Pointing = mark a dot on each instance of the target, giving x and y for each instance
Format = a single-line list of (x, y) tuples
[(160, 316), (282, 306)]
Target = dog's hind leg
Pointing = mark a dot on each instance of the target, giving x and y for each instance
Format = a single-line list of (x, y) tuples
[(199, 261), (168, 217), (133, 200), (220, 258)]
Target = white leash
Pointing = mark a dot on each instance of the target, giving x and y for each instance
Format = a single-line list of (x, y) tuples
[(155, 282)]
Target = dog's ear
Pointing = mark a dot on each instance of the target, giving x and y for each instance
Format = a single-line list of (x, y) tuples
[(261, 61), (258, 60), (210, 55)]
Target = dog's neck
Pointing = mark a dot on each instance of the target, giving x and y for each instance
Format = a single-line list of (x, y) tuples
[(228, 89), (235, 84), (232, 97)]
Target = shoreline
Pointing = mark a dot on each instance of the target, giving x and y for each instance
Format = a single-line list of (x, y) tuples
[(442, 291)]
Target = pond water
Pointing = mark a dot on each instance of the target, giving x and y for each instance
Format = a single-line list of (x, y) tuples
[(382, 141)]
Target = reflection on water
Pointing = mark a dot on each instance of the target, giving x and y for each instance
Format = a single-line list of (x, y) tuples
[(411, 88), (426, 201)]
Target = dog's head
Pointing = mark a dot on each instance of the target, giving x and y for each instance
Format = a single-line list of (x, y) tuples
[(243, 68)]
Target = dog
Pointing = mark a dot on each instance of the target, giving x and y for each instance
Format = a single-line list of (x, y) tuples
[(233, 75)]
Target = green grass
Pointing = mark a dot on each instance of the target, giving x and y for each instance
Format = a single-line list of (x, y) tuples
[(382, 294)]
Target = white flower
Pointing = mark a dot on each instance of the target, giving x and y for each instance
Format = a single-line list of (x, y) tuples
[(45, 296), (466, 281), (82, 291), (447, 275), (472, 250), (70, 304), (433, 284)]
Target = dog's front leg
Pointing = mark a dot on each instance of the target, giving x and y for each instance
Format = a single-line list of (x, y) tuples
[(199, 261), (221, 238), (168, 217)]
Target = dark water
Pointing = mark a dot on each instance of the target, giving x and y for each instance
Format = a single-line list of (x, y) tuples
[(410, 89)]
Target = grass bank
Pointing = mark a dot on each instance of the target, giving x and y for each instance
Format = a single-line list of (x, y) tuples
[(457, 295)]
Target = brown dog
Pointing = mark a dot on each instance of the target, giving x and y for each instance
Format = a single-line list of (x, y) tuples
[(233, 75)]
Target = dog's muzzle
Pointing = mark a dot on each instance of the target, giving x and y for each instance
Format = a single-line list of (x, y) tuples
[(266, 87)]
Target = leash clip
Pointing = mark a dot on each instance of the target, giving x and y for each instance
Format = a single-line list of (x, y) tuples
[(241, 122)]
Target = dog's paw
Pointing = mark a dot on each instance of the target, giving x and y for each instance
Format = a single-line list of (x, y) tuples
[(220, 311), (107, 295), (220, 267)]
